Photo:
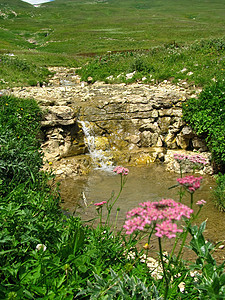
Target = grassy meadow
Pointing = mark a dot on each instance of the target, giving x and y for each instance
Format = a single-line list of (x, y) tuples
[(163, 37), (71, 27)]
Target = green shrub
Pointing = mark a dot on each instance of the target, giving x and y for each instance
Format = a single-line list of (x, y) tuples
[(20, 159), (206, 115)]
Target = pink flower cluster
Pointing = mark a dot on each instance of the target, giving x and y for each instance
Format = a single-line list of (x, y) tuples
[(100, 203), (191, 182), (167, 211), (180, 157), (167, 228), (201, 202), (121, 170), (196, 159)]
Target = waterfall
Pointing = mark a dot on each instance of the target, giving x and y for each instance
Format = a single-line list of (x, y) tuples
[(100, 159)]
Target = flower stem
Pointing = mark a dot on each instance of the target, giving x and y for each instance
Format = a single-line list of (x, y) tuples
[(184, 240), (164, 270), (192, 198), (122, 183)]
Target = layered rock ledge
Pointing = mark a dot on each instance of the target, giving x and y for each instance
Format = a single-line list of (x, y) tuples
[(133, 124)]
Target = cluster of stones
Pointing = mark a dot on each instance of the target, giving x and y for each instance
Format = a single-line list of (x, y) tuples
[(137, 123)]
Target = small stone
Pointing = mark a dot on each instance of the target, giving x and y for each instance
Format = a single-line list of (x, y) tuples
[(183, 70), (59, 172)]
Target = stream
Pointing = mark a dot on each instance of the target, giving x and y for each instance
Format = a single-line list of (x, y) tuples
[(150, 183)]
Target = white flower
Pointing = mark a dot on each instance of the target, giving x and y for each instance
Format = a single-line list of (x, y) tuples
[(131, 255), (182, 287), (41, 246)]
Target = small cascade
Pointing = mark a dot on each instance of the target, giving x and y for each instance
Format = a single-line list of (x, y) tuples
[(101, 159)]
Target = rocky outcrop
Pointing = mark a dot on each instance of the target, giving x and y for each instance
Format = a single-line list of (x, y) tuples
[(138, 122)]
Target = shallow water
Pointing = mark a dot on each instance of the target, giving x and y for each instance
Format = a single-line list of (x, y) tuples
[(150, 183)]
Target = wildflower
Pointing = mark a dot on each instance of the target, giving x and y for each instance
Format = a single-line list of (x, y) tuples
[(167, 228), (180, 157), (146, 246), (201, 202), (195, 159), (182, 286), (151, 212), (50, 163), (131, 255), (41, 246), (99, 204), (121, 170), (134, 224), (193, 274), (191, 183)]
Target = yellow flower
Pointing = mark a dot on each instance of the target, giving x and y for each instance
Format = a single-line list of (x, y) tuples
[(6, 104), (50, 163), (146, 246)]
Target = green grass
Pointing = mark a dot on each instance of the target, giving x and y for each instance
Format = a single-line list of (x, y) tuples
[(15, 71), (198, 63), (69, 32), (65, 26), (219, 192)]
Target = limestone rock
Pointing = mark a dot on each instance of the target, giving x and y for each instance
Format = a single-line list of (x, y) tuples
[(58, 115), (164, 123), (199, 144), (170, 141), (187, 132), (182, 142)]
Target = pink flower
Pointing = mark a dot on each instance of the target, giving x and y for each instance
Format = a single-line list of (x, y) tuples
[(180, 157), (190, 182), (134, 224), (201, 202), (195, 159), (99, 204), (151, 212), (167, 228), (121, 170)]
